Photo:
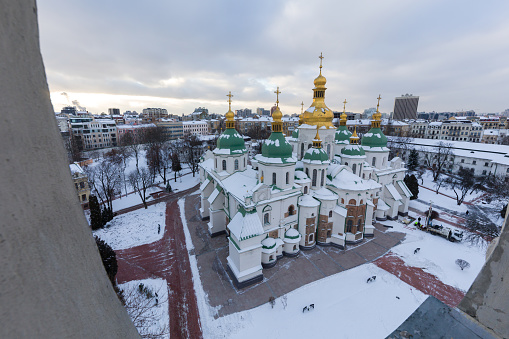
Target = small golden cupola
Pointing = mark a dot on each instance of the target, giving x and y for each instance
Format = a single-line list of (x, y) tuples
[(277, 123), (317, 142), (354, 139), (318, 114), (230, 117)]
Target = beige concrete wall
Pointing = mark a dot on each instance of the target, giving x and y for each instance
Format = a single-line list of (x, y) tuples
[(487, 300), (52, 282)]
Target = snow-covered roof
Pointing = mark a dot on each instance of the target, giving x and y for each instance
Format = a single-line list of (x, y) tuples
[(394, 193), (245, 225), (340, 210), (496, 153), (382, 205), (301, 177), (404, 188), (307, 200), (324, 194), (345, 179), (76, 168), (241, 184)]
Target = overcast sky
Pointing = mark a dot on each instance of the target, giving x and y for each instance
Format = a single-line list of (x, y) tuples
[(181, 55)]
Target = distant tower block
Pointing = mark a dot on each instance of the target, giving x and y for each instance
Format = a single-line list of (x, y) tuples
[(405, 107)]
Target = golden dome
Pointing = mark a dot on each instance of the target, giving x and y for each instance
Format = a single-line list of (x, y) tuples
[(320, 81), (229, 115), (277, 115)]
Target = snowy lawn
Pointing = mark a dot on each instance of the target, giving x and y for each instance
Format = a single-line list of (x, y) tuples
[(367, 310), (134, 228), (149, 313), (437, 255), (440, 200)]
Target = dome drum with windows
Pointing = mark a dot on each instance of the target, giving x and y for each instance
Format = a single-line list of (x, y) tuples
[(230, 141)]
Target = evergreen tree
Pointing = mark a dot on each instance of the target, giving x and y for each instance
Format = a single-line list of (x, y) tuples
[(413, 185), (175, 164), (95, 213), (106, 215), (109, 259), (413, 160)]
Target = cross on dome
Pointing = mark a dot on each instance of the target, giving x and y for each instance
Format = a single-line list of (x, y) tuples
[(378, 104), (229, 95), (277, 96), (321, 57), (344, 105), (302, 107)]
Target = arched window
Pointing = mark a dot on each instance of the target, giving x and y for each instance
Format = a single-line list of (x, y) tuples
[(383, 162), (236, 163), (274, 178), (216, 163), (354, 168), (373, 162), (244, 162), (328, 149), (302, 150), (351, 202), (349, 225), (305, 190), (360, 203), (291, 210), (346, 164), (224, 165), (307, 172), (323, 177), (330, 213), (363, 175), (342, 200), (311, 237), (314, 177), (266, 218), (309, 146), (287, 178), (328, 234)]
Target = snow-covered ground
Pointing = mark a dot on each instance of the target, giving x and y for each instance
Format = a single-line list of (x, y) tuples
[(437, 255), (134, 228), (156, 313), (344, 303)]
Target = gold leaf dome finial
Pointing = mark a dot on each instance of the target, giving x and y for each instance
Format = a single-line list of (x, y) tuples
[(320, 80), (354, 139), (317, 142), (377, 117), (230, 117), (277, 124)]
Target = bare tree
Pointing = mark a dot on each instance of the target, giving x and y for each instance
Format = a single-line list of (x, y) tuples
[(74, 148), (193, 149), (439, 158), (462, 263), (165, 161), (142, 306), (125, 153), (463, 183), (141, 180), (398, 146), (104, 179)]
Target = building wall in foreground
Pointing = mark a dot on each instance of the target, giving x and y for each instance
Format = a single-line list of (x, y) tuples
[(52, 281)]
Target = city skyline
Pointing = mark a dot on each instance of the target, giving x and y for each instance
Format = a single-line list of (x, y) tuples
[(181, 56)]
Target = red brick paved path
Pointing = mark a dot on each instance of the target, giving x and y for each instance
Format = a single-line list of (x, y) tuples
[(423, 281), (167, 259)]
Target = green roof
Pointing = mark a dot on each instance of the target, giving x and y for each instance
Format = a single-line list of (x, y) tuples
[(230, 140), (342, 135), (353, 150), (374, 138), (276, 146), (295, 134), (316, 154)]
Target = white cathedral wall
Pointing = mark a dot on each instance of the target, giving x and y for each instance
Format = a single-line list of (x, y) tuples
[(306, 136), (267, 171), (230, 162), (304, 213)]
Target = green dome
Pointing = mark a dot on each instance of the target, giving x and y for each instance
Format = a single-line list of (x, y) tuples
[(353, 150), (230, 142), (316, 154), (374, 138), (295, 134), (276, 146), (342, 135)]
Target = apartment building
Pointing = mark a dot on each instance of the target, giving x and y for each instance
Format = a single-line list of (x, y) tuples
[(81, 183), (151, 115), (93, 133), (172, 129), (195, 127)]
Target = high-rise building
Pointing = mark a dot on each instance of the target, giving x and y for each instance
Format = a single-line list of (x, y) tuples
[(153, 114), (405, 107), (113, 111)]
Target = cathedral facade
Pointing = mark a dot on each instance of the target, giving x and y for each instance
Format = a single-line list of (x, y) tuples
[(321, 186)]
